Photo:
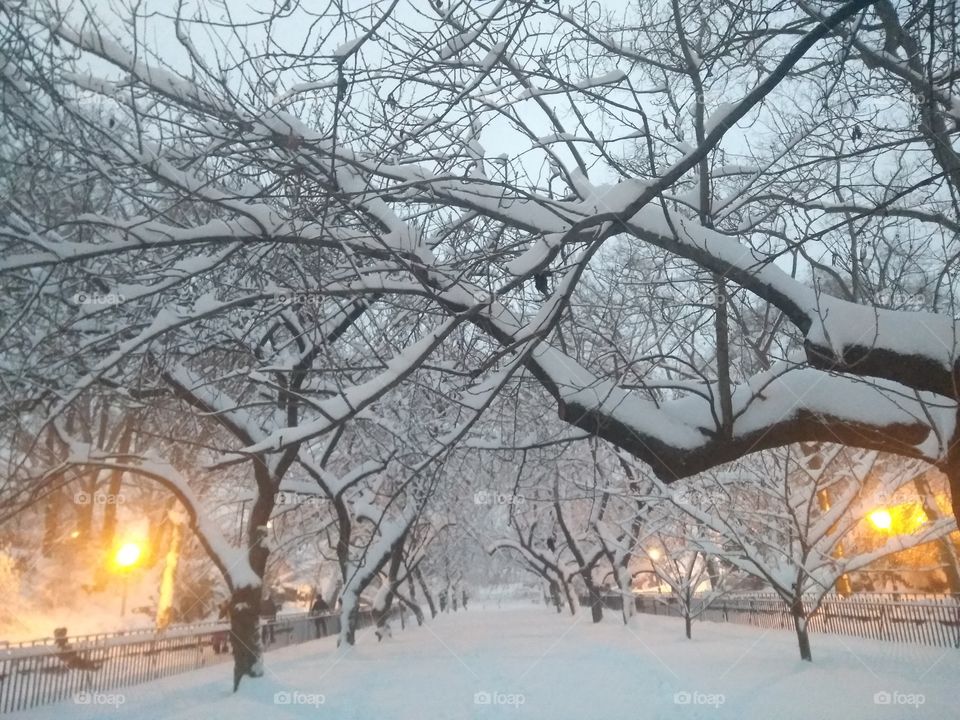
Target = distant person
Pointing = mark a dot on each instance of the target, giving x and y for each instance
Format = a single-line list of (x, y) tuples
[(319, 608), (70, 656)]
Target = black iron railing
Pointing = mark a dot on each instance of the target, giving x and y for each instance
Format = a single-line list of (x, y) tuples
[(920, 619), (44, 672)]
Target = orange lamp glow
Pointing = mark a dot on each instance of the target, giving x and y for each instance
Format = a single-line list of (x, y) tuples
[(881, 519), (127, 555)]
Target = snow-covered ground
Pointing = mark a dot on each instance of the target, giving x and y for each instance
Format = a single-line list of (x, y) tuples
[(531, 664)]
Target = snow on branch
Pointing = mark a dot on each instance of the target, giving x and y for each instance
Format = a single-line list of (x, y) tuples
[(92, 39), (354, 399)]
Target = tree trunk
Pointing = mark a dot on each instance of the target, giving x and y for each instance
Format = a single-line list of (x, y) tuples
[(410, 601), (349, 628), (245, 634), (593, 596), (426, 592), (625, 583), (800, 624), (948, 560), (689, 624), (358, 582), (586, 571), (555, 596), (571, 599), (344, 528), (414, 608), (945, 549), (245, 601), (381, 614)]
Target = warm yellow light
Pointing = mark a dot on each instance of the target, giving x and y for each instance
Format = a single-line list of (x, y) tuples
[(127, 555), (654, 553), (881, 519), (75, 534)]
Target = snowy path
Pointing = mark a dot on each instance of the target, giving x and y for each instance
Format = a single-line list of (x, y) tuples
[(537, 665)]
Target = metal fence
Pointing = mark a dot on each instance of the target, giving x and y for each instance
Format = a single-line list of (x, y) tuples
[(99, 638), (925, 620), (44, 672)]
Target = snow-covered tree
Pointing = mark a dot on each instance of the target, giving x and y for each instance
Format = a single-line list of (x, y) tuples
[(793, 517), (693, 576), (293, 225)]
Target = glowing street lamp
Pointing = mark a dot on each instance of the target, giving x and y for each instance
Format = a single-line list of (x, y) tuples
[(126, 557), (881, 519)]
